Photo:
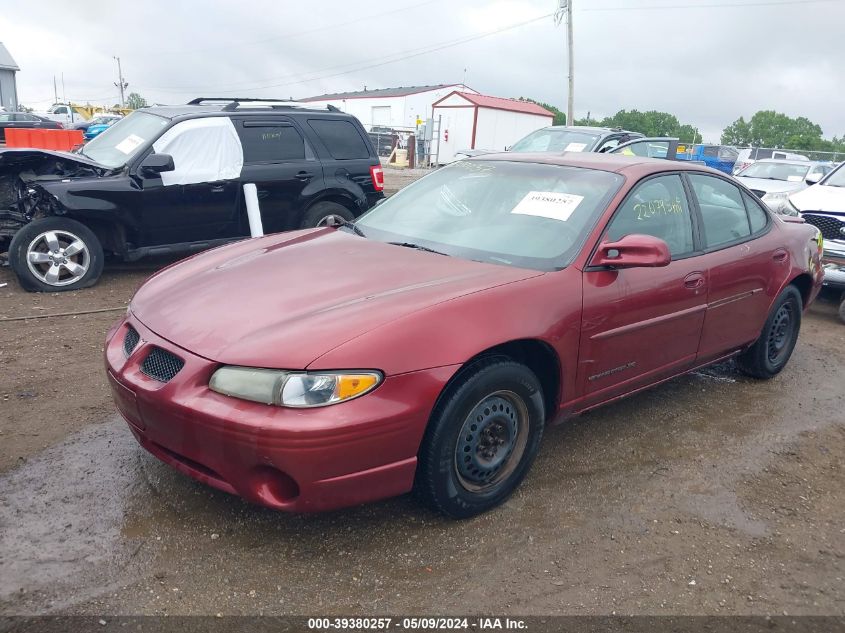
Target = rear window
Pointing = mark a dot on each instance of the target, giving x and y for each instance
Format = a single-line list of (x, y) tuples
[(341, 138), (271, 143)]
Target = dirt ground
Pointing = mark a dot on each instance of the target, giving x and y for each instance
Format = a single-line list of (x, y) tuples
[(712, 494)]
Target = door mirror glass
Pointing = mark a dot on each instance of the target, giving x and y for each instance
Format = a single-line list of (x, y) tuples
[(633, 251), (155, 164)]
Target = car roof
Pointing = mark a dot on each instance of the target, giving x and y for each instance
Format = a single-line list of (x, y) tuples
[(790, 161), (589, 128), (220, 109), (619, 163)]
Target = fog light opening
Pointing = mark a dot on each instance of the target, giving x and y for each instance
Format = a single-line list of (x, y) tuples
[(274, 487)]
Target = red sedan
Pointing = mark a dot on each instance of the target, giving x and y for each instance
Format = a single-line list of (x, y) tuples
[(426, 346)]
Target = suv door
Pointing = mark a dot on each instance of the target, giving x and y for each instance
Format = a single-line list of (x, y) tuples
[(197, 202), (741, 266), (283, 167), (643, 324), (653, 147)]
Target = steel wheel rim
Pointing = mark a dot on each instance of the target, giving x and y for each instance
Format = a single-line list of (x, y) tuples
[(780, 333), (491, 441), (58, 258)]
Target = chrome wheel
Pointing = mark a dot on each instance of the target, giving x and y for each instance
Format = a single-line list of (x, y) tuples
[(492, 441), (58, 258), (330, 220)]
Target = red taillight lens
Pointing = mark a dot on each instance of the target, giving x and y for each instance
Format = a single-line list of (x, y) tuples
[(60, 124), (377, 174)]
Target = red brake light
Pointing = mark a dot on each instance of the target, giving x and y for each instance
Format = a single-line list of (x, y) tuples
[(60, 124), (377, 174)]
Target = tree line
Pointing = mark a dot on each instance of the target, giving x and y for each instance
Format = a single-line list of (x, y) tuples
[(766, 128)]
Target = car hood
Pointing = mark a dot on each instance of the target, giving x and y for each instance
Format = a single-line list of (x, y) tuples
[(284, 300), (819, 198), (770, 186), (14, 157)]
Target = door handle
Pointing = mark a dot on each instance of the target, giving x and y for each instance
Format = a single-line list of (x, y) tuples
[(694, 280), (218, 189), (304, 176), (780, 255)]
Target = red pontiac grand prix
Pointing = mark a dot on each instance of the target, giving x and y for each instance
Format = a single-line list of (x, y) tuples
[(426, 346)]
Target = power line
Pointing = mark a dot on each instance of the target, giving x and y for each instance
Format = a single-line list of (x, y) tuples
[(715, 5), (409, 54)]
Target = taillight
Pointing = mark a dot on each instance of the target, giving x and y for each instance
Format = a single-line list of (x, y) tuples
[(60, 124), (377, 174)]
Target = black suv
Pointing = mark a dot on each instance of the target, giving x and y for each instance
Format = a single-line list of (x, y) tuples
[(170, 179)]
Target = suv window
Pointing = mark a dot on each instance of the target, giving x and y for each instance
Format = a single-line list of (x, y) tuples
[(656, 207), (722, 210), (341, 138), (270, 142)]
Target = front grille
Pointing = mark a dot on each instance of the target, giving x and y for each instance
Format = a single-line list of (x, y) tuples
[(130, 341), (758, 192), (161, 365), (830, 226)]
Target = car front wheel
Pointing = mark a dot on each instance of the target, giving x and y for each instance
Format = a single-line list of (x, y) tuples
[(482, 438), (770, 353), (56, 254)]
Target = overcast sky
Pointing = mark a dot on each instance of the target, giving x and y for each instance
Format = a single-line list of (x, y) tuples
[(706, 61)]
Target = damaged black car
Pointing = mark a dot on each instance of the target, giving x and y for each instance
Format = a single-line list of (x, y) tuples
[(169, 180)]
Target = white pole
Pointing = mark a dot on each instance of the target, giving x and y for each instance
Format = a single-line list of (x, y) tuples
[(253, 211)]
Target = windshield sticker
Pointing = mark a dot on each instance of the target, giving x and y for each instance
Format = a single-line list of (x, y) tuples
[(129, 144), (575, 147), (794, 178), (548, 204)]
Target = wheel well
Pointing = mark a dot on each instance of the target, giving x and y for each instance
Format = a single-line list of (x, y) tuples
[(804, 283), (112, 236), (539, 357)]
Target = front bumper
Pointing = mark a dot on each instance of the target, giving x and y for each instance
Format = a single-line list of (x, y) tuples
[(300, 460)]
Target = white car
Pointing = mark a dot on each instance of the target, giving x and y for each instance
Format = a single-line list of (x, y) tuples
[(751, 155), (775, 180), (62, 113)]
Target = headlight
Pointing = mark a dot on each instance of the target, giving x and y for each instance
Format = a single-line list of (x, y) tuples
[(790, 209), (293, 389)]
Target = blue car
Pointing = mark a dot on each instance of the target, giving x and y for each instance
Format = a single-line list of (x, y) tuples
[(98, 124), (721, 157)]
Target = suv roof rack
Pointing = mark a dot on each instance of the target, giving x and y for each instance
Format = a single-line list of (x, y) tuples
[(232, 103)]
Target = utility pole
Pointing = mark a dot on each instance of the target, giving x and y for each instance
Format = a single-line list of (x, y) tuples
[(564, 12), (121, 84)]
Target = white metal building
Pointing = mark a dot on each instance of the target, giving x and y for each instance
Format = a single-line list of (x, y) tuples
[(8, 86), (397, 108), (474, 121)]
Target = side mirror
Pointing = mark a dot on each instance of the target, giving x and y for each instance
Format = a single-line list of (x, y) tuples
[(813, 177), (633, 251), (154, 164)]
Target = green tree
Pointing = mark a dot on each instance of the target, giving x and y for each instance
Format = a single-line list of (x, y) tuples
[(560, 117), (135, 101), (652, 123), (768, 128)]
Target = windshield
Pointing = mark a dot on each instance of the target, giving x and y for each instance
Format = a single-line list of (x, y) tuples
[(835, 178), (776, 171), (556, 140), (518, 214), (121, 141)]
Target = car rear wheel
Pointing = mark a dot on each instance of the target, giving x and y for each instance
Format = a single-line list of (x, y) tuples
[(323, 214), (770, 353), (482, 438), (56, 254)]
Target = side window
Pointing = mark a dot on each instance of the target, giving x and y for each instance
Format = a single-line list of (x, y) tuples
[(609, 144), (5, 116), (722, 210), (711, 151), (341, 138), (203, 150), (757, 216), (656, 207), (268, 143)]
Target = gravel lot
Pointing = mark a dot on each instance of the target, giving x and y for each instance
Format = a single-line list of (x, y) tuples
[(713, 493)]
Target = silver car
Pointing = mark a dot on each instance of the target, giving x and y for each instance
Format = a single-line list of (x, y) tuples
[(775, 180)]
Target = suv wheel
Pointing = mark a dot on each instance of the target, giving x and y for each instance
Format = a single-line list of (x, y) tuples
[(321, 214), (56, 254), (482, 438)]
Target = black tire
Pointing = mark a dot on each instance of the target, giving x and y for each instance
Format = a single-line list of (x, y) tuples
[(318, 214), (460, 472), (769, 354), (74, 271), (842, 308)]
